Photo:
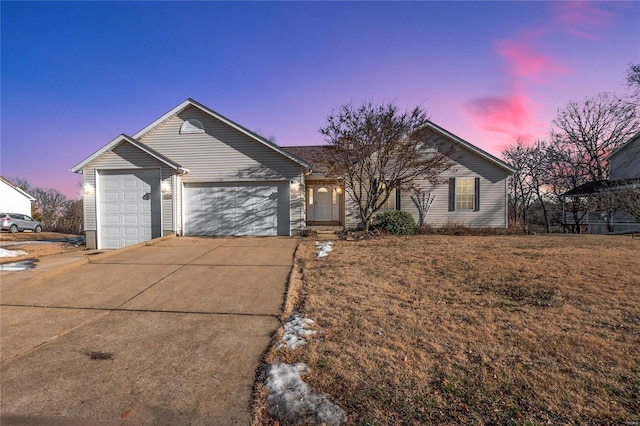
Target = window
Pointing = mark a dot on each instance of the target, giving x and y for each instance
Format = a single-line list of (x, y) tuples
[(310, 197), (464, 194), (390, 204), (191, 126)]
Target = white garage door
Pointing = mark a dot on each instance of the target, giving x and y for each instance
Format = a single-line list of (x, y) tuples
[(231, 209), (129, 207)]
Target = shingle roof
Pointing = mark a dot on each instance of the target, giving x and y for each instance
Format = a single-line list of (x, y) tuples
[(599, 185), (310, 154)]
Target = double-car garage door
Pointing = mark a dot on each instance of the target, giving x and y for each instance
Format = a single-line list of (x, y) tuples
[(232, 209)]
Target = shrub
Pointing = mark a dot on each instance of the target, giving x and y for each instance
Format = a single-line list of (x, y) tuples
[(396, 222)]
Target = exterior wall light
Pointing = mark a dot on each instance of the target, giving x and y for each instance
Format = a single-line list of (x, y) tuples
[(89, 189)]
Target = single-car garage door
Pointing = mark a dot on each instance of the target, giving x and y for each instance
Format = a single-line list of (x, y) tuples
[(129, 206), (232, 209)]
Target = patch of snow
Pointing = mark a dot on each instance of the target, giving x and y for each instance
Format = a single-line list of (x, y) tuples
[(293, 402), (295, 330), (18, 266), (323, 248), (11, 253)]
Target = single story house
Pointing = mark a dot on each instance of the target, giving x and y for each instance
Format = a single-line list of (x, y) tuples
[(195, 172), (474, 192), (14, 199)]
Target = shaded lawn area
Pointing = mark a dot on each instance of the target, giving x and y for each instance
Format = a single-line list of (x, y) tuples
[(474, 330)]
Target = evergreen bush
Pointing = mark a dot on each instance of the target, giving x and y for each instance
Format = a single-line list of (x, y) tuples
[(395, 222)]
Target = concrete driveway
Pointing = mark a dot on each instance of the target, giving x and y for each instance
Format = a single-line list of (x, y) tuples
[(167, 333)]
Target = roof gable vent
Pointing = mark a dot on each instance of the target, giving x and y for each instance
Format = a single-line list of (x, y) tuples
[(191, 126)]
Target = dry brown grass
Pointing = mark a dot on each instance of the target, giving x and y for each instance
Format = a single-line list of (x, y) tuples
[(6, 237), (34, 250), (474, 330)]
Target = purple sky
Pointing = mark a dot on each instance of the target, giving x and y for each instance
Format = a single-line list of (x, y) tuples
[(77, 74)]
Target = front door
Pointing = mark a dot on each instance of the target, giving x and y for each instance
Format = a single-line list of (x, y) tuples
[(323, 203)]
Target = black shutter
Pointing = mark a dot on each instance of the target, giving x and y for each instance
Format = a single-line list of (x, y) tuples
[(476, 195), (452, 194), (398, 207)]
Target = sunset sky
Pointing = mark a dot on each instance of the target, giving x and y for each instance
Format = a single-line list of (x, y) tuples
[(77, 74)]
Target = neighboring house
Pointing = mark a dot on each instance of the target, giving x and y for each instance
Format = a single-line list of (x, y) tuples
[(624, 162), (473, 192), (195, 172), (14, 199), (624, 173)]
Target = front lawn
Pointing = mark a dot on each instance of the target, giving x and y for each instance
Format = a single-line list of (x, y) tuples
[(473, 330)]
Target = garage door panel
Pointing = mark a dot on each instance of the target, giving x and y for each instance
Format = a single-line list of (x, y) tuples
[(111, 196), (129, 206), (130, 196), (132, 232), (112, 220), (227, 210), (130, 220), (110, 185)]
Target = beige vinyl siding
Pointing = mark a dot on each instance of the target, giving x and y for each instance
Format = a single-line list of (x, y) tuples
[(221, 154), (625, 164), (493, 202), (297, 206), (123, 157)]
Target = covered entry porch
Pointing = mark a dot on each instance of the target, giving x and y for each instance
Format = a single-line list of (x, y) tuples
[(324, 202)]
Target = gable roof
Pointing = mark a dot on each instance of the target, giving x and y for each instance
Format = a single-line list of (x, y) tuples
[(255, 136), (19, 190), (625, 145), (482, 153), (142, 147), (313, 153)]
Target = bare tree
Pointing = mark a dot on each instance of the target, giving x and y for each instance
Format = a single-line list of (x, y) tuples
[(71, 221), (53, 209), (583, 136), (48, 207), (22, 184), (586, 133), (633, 78), (521, 191), (377, 149), (527, 186), (423, 202), (628, 200)]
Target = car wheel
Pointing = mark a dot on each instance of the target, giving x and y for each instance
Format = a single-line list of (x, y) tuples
[(38, 228), (13, 229)]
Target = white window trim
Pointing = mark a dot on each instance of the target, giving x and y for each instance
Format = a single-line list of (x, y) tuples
[(472, 193)]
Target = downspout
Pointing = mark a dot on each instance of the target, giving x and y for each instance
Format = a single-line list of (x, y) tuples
[(506, 203), (174, 182)]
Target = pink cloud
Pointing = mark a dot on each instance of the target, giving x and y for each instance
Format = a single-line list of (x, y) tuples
[(524, 62), (508, 115), (581, 18)]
